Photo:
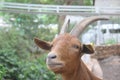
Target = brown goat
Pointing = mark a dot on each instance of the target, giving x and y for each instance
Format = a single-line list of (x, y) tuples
[(66, 51)]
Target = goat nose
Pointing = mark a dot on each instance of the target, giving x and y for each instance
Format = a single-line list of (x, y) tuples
[(51, 56)]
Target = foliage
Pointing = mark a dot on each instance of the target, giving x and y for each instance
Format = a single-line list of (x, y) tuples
[(15, 55), (110, 41), (25, 70), (35, 70), (12, 41), (88, 2), (2, 72), (9, 61), (27, 22), (11, 47), (53, 2), (33, 1)]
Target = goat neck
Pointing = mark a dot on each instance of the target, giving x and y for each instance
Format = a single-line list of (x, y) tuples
[(80, 73)]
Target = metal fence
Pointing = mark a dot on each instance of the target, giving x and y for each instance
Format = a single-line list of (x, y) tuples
[(58, 9), (97, 34), (104, 32)]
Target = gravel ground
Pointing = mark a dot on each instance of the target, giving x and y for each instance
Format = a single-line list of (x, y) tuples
[(111, 68)]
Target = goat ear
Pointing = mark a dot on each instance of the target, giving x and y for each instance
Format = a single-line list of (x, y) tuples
[(87, 48), (42, 44)]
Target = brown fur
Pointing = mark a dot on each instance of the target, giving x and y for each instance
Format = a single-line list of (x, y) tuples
[(64, 57)]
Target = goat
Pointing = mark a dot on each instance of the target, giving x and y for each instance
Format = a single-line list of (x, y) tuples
[(65, 52), (93, 65)]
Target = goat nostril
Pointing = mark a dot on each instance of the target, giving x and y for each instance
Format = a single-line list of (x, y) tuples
[(52, 56)]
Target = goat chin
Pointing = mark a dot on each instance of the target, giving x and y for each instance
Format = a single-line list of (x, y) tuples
[(54, 66)]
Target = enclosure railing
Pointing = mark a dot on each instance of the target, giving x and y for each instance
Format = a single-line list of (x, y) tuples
[(58, 9)]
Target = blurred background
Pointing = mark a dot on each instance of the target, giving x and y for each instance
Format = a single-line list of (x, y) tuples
[(22, 20)]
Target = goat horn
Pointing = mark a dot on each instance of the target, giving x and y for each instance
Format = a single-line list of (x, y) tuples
[(79, 28), (65, 25)]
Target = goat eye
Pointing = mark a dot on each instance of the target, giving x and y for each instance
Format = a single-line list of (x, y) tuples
[(76, 46)]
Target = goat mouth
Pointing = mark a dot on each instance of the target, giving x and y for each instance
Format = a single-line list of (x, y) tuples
[(54, 64), (55, 67)]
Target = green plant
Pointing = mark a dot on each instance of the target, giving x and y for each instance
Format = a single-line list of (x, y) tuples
[(9, 60), (35, 70), (110, 41), (2, 71), (15, 56)]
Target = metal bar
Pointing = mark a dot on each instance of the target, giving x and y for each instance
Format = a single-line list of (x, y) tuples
[(57, 9)]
